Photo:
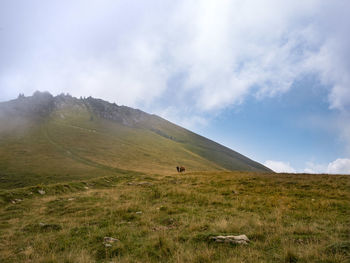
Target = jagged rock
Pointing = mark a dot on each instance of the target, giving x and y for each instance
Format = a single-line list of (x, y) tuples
[(241, 239), (110, 111), (42, 192)]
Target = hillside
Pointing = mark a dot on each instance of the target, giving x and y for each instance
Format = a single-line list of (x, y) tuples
[(47, 139)]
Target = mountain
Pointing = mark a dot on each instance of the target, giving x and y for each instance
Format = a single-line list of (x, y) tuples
[(47, 139)]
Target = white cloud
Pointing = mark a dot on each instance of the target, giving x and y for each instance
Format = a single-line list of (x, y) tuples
[(280, 167), (314, 168), (128, 51), (216, 52), (339, 166)]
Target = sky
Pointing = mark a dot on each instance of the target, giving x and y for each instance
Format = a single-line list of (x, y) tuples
[(267, 78)]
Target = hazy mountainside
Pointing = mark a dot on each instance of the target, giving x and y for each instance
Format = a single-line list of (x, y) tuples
[(50, 139)]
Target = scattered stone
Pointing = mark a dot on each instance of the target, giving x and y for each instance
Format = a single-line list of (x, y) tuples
[(108, 245), (85, 187), (241, 239), (15, 201), (109, 241), (42, 192), (70, 199), (139, 212)]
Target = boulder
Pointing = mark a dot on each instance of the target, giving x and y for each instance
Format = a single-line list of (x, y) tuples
[(241, 239)]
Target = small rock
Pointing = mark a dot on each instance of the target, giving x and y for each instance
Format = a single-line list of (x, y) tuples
[(85, 187), (241, 239), (108, 245), (139, 212), (42, 224), (110, 240), (42, 192), (70, 199), (15, 201)]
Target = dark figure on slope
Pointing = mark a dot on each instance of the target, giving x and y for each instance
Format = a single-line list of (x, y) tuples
[(180, 169)]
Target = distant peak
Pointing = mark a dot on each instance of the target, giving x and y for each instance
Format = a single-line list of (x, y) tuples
[(42, 94)]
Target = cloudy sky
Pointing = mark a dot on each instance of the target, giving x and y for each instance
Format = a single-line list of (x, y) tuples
[(267, 78)]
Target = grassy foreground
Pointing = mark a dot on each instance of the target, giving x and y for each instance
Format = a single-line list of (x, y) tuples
[(169, 218)]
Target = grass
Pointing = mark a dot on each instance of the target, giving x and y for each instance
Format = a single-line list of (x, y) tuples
[(170, 217), (72, 144), (70, 179)]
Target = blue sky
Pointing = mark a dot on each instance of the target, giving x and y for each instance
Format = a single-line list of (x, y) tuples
[(267, 78)]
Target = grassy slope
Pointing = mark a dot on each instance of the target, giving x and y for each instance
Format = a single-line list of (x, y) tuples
[(206, 148), (69, 145), (288, 218), (73, 147)]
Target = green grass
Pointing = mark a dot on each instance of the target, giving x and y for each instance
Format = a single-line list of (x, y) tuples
[(287, 217), (73, 144)]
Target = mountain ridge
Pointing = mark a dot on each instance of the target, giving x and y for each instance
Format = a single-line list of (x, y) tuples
[(93, 137)]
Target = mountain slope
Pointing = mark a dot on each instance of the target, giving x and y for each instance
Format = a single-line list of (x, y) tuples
[(51, 139)]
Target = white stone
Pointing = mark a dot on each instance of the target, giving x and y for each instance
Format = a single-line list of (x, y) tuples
[(241, 239)]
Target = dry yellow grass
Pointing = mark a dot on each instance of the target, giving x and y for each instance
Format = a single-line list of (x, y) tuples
[(288, 218)]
